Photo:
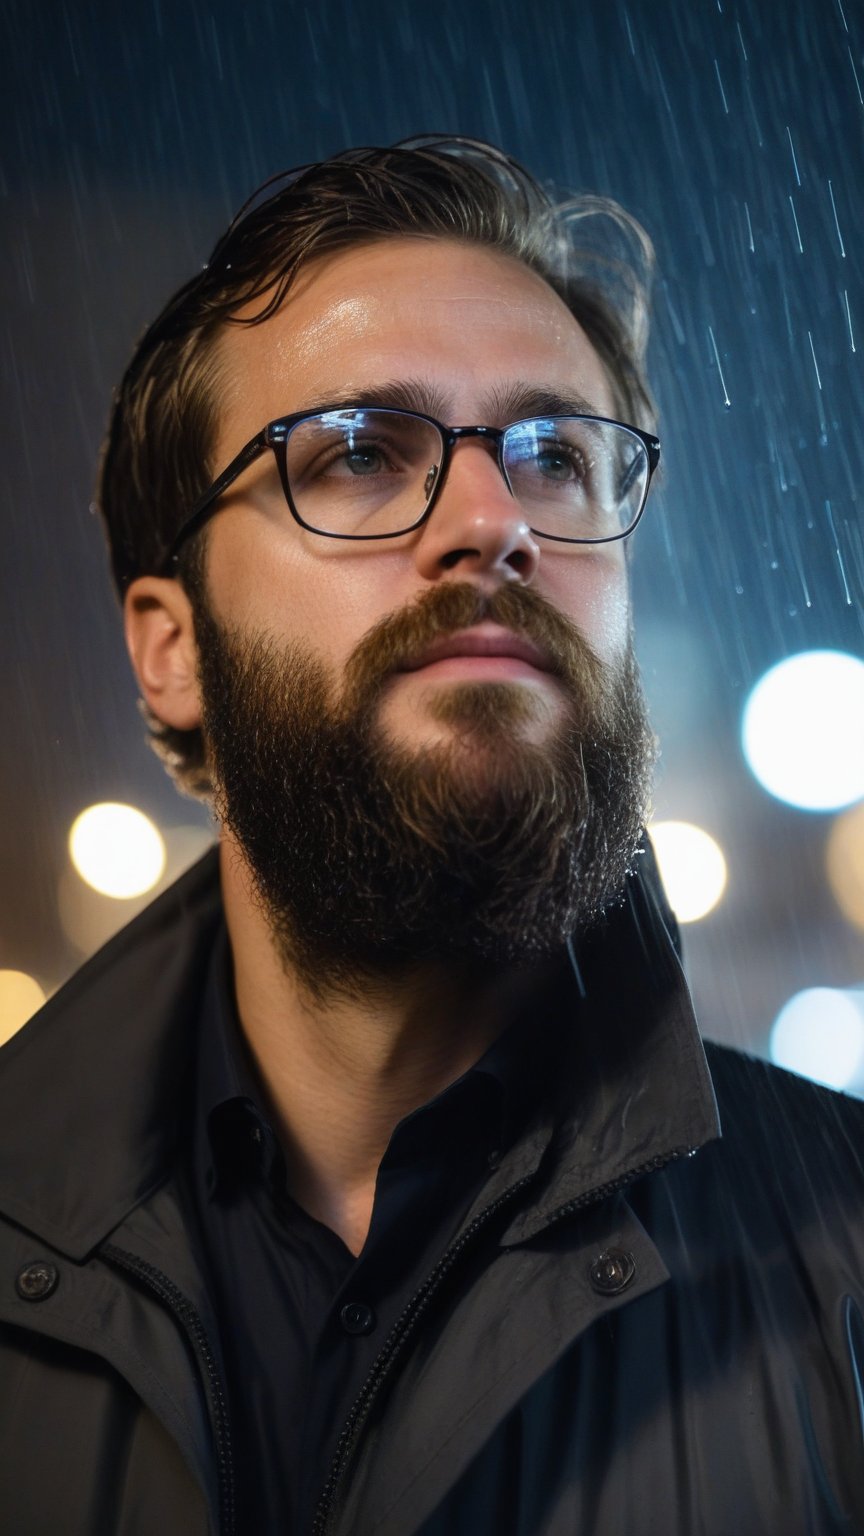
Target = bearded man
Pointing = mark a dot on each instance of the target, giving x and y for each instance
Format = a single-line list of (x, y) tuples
[(370, 1183)]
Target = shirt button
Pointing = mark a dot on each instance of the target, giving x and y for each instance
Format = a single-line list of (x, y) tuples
[(36, 1281), (356, 1317), (612, 1271)]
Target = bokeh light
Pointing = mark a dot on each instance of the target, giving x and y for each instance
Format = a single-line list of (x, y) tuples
[(89, 918), (117, 850), (819, 1034), (803, 730), (692, 868), (20, 997), (844, 864)]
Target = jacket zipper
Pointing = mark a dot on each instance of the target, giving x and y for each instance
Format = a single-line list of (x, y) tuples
[(603, 1191), (181, 1306), (408, 1319), (171, 1295), (401, 1330)]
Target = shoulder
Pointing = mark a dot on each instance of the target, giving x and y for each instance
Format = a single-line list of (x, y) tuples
[(764, 1108), (790, 1159), (770, 1215)]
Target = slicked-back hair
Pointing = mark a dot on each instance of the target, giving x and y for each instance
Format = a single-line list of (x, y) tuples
[(157, 457)]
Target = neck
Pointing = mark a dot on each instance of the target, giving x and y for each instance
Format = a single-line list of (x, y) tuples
[(339, 1073)]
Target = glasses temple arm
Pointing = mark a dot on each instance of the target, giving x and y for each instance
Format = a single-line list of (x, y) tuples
[(201, 511)]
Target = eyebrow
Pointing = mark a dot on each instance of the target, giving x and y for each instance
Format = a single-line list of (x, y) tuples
[(503, 404)]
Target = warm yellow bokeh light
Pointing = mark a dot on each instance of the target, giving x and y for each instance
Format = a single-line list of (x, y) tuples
[(117, 850), (692, 868), (20, 996), (844, 859), (89, 919)]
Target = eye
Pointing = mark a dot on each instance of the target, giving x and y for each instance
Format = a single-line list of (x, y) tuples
[(350, 458), (358, 458), (555, 462), (363, 459)]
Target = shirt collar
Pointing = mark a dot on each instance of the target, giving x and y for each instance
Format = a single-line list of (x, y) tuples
[(235, 1135), (612, 1034)]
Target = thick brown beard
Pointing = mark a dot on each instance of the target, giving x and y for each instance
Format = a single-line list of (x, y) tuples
[(371, 858)]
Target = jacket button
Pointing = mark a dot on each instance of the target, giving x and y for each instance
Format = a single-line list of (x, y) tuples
[(357, 1318), (36, 1281), (612, 1271)]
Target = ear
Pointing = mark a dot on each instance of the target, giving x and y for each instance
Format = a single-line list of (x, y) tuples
[(160, 636)]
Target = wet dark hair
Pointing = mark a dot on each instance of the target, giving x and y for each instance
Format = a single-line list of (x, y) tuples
[(156, 461)]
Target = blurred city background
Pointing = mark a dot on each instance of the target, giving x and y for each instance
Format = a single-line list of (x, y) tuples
[(735, 133)]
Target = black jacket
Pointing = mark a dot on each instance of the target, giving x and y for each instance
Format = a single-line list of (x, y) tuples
[(625, 1339)]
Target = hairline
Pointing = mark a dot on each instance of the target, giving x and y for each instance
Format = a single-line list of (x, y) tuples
[(207, 348)]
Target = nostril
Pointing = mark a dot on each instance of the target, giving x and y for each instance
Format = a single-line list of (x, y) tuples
[(454, 556), (520, 561)]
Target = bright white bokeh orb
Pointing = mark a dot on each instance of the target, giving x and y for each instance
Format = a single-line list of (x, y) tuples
[(692, 868), (803, 730), (117, 850), (819, 1034)]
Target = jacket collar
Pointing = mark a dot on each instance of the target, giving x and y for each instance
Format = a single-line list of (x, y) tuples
[(630, 1088), (89, 1088), (93, 1088), (634, 1089)]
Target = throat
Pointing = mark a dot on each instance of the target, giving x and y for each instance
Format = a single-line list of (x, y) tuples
[(338, 1077)]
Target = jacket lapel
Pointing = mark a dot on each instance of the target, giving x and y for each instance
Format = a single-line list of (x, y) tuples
[(91, 1089), (481, 1351), (634, 1093)]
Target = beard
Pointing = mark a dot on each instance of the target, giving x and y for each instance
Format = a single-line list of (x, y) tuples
[(371, 858)]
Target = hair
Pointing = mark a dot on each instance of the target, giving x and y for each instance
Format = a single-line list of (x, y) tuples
[(156, 460)]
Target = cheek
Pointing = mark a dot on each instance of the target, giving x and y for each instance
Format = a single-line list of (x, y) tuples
[(299, 589), (593, 591)]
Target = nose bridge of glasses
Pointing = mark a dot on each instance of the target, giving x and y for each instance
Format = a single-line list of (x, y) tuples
[(491, 439)]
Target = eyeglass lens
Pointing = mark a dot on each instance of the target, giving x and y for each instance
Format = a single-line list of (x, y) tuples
[(372, 472)]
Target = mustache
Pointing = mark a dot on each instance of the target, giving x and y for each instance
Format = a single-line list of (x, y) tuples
[(399, 639)]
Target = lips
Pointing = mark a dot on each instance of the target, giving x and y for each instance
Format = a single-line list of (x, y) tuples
[(482, 640)]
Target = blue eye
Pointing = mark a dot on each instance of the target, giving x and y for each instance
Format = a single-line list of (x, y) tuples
[(555, 465), (364, 459)]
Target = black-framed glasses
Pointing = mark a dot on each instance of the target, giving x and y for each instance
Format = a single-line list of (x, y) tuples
[(372, 472)]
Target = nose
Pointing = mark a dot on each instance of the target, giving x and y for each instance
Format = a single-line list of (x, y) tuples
[(476, 526)]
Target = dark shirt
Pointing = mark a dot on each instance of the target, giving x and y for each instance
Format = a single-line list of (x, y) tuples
[(301, 1319)]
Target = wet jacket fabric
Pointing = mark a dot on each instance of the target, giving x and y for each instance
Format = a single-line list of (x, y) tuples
[(641, 1329)]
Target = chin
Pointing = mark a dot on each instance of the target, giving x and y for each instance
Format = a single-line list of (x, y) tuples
[(483, 715)]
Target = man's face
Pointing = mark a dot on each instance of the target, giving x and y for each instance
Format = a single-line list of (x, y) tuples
[(472, 334), (315, 674)]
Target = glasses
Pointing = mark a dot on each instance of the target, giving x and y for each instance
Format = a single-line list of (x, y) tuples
[(376, 473)]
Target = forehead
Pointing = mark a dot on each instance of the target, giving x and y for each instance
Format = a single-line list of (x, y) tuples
[(473, 324)]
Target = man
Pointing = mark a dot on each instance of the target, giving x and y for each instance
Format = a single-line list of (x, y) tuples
[(370, 1182)]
